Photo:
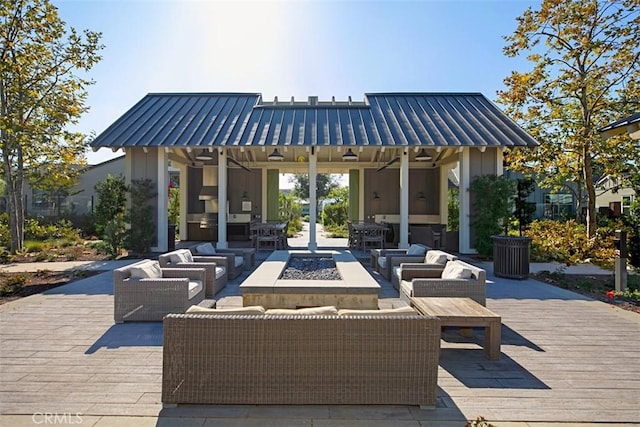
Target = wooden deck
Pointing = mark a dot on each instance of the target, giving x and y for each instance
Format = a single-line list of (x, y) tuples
[(564, 359)]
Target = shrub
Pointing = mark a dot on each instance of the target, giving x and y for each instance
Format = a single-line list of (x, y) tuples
[(13, 284), (5, 235), (492, 207), (142, 232)]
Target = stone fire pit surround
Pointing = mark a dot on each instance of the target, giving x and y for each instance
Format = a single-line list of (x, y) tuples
[(357, 289)]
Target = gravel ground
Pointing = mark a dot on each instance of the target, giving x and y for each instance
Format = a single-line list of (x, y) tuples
[(311, 268)]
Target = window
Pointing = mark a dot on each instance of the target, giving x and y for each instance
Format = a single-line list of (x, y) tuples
[(558, 206), (626, 204)]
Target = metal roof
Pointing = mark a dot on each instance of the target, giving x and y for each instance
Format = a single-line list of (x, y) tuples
[(244, 119), (630, 125)]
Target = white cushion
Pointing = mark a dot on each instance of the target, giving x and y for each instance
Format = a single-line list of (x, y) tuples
[(238, 261), (220, 271), (254, 309), (436, 257), (382, 261), (396, 271), (326, 310), (181, 255), (195, 286), (206, 249), (146, 270), (416, 250), (401, 311), (455, 270)]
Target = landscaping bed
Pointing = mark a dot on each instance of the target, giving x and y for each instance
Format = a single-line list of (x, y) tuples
[(18, 285), (594, 286)]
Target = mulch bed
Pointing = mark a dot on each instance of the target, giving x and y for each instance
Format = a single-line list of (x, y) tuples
[(43, 280)]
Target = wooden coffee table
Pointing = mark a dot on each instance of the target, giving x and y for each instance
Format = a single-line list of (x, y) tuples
[(464, 312)]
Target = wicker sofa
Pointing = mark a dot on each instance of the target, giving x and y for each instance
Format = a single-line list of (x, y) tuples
[(216, 275), (456, 279), (383, 260), (434, 260), (300, 359), (140, 298), (234, 260)]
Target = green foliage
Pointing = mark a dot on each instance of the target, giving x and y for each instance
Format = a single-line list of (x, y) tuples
[(5, 236), (479, 422), (32, 247), (632, 221), (42, 64), (585, 74), (115, 235), (38, 229), (142, 232), (112, 199), (324, 184), (492, 207), (453, 209), (290, 211), (13, 284), (524, 210), (174, 207)]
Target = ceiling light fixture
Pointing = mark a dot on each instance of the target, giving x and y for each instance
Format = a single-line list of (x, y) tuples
[(204, 155), (423, 156), (275, 155), (349, 155)]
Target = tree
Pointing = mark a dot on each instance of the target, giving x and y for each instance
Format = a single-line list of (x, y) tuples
[(585, 75), (41, 94), (324, 184), (492, 208), (112, 200)]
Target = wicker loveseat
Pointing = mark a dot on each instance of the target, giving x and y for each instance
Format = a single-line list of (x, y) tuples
[(434, 260), (457, 279), (383, 260), (145, 292), (300, 359)]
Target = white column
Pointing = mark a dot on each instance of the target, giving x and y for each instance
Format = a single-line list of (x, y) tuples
[(465, 202), (222, 199), (163, 200), (403, 242), (499, 160), (313, 203)]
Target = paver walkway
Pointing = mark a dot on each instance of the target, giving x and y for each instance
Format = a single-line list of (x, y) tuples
[(565, 359)]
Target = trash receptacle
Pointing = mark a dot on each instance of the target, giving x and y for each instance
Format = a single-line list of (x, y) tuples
[(511, 256), (171, 237)]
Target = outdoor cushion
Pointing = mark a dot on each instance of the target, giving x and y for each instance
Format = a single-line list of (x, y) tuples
[(147, 270), (436, 257), (416, 250), (238, 261), (454, 270), (327, 310), (220, 272), (206, 249), (382, 261), (182, 255), (401, 311), (253, 309), (195, 286)]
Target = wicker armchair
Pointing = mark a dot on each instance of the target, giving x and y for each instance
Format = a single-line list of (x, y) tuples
[(445, 285), (383, 260), (138, 297), (216, 275), (234, 260), (432, 266)]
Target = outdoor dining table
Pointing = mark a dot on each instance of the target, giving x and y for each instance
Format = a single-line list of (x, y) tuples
[(274, 232), (368, 232)]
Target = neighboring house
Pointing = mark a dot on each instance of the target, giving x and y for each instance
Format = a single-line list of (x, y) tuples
[(612, 198), (82, 198)]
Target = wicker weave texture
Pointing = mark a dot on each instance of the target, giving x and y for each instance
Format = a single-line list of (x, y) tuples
[(299, 360), (152, 299)]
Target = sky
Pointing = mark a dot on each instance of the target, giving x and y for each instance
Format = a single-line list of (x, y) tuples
[(290, 48)]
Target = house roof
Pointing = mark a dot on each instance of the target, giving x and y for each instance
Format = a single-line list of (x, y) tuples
[(630, 125), (381, 119)]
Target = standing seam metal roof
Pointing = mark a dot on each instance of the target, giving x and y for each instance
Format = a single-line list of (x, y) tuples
[(384, 119)]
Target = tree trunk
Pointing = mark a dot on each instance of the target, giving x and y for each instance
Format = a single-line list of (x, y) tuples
[(15, 202), (591, 192)]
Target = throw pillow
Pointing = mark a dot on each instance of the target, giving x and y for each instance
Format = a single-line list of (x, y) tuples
[(146, 270), (206, 249), (416, 250), (436, 257), (455, 270), (401, 311), (254, 309), (327, 310)]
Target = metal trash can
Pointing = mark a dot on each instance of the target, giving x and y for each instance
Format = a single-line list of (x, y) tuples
[(511, 256)]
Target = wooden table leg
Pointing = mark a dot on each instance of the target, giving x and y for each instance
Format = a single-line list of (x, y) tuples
[(492, 339)]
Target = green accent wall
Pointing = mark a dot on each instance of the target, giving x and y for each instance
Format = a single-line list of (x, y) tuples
[(354, 194), (273, 194)]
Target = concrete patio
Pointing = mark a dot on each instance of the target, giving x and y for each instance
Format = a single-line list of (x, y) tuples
[(565, 359)]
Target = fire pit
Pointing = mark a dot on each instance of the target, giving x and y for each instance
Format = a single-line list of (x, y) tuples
[(271, 286)]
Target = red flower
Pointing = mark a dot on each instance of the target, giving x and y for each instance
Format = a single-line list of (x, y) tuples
[(610, 294)]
